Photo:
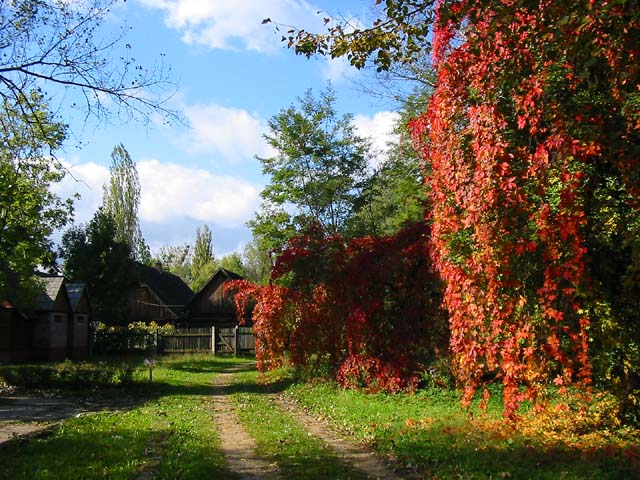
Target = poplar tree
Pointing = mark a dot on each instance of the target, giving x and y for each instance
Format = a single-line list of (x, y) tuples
[(121, 199), (203, 262)]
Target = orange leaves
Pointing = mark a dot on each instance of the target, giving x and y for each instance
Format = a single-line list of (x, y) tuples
[(507, 186)]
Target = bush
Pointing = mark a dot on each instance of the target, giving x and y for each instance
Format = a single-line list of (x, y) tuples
[(67, 375), (136, 337)]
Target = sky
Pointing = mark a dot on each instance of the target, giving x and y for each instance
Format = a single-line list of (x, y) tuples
[(232, 74)]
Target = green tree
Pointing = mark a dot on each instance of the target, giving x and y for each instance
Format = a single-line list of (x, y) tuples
[(94, 255), (121, 199), (256, 261), (203, 263), (317, 171), (176, 259), (234, 263), (395, 195), (29, 211)]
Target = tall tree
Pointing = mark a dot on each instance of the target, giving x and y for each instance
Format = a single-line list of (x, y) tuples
[(203, 262), (121, 199), (317, 171), (60, 44), (29, 211), (94, 255), (257, 262)]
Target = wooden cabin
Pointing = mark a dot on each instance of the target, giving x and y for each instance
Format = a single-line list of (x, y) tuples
[(159, 296), (16, 334), (79, 321), (51, 315), (211, 307)]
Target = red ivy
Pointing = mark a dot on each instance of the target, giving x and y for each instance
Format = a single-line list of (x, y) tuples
[(510, 156), (368, 307)]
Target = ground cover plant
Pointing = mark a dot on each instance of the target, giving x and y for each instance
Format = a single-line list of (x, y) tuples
[(431, 433), (166, 431), (68, 375)]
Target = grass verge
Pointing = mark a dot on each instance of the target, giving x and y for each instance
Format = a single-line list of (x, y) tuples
[(430, 433), (166, 433)]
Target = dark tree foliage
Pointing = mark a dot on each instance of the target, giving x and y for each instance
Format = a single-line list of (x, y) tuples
[(93, 255)]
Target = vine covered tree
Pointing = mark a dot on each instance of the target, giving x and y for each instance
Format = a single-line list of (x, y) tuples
[(121, 199), (530, 143)]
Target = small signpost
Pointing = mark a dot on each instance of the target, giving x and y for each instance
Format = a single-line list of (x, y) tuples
[(149, 364)]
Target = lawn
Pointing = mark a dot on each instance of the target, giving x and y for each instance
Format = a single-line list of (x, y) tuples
[(168, 432)]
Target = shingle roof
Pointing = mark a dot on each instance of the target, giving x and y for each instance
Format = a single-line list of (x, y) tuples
[(170, 288), (52, 285)]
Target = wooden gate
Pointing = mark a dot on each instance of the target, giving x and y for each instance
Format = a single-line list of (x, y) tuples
[(234, 340)]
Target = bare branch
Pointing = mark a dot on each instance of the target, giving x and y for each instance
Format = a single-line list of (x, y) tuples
[(56, 42)]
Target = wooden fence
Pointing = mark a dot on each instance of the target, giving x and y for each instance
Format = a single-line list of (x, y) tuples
[(218, 340)]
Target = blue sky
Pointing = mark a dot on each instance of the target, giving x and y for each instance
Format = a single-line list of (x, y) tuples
[(233, 74)]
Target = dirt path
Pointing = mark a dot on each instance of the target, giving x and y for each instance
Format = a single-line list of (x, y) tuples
[(23, 414), (358, 456), (239, 447), (236, 444)]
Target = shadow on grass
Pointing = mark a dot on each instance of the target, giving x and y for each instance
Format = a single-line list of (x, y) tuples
[(446, 452), (102, 451), (184, 376)]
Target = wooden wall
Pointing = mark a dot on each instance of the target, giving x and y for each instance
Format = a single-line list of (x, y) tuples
[(144, 306)]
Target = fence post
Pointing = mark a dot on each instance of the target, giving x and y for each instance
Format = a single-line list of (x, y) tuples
[(213, 339), (236, 341)]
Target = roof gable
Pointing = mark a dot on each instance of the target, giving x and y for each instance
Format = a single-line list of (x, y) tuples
[(167, 287), (50, 300), (76, 293), (227, 275)]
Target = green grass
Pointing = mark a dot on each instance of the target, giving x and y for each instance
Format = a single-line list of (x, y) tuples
[(280, 439), (167, 434), (431, 433)]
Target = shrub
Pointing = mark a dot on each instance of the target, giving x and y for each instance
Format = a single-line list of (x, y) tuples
[(67, 375)]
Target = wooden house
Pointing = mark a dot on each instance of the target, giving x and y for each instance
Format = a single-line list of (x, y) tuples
[(79, 321), (159, 296), (51, 316), (16, 334), (212, 307)]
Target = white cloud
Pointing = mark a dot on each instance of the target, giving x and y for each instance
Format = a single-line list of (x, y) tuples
[(173, 191), (232, 133), (379, 129), (338, 69), (86, 179), (235, 25), (168, 191)]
